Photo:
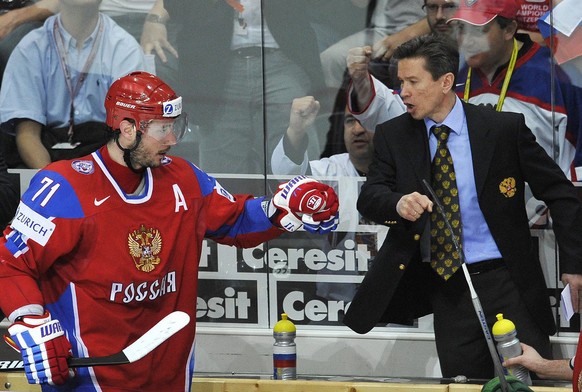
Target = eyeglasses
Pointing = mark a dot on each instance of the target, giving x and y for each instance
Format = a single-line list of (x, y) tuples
[(447, 8)]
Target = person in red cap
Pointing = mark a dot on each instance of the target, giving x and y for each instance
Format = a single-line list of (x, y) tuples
[(481, 12), (510, 72)]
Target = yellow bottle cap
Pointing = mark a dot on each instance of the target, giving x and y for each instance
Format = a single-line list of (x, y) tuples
[(284, 325), (503, 326)]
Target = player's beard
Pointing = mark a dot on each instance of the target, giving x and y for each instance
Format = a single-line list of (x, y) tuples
[(141, 157)]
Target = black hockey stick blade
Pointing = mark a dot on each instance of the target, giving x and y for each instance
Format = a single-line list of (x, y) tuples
[(158, 334)]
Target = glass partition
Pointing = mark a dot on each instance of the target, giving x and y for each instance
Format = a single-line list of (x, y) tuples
[(243, 66), (313, 278)]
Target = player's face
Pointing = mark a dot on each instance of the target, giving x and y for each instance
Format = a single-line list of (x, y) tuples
[(437, 14), (357, 139), (150, 151), (423, 96)]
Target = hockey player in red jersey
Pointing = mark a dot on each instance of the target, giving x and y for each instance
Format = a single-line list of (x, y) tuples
[(102, 247)]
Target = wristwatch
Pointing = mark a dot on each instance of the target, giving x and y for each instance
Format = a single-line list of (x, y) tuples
[(155, 18)]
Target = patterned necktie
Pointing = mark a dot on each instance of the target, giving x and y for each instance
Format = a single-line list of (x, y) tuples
[(445, 259)]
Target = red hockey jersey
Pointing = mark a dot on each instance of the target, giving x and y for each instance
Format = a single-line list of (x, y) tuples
[(110, 265)]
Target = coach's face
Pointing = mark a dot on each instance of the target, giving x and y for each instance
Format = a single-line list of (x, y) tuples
[(422, 95)]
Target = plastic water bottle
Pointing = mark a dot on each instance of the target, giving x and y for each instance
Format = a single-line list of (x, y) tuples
[(508, 346), (284, 350)]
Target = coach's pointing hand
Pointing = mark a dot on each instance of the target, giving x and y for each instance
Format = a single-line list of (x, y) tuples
[(412, 206)]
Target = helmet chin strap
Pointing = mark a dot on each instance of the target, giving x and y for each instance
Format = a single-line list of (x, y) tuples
[(127, 151)]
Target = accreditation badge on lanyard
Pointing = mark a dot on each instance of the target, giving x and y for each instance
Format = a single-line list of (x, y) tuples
[(240, 23), (73, 90), (506, 80)]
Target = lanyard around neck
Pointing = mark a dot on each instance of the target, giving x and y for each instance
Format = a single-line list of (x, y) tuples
[(73, 91), (505, 86)]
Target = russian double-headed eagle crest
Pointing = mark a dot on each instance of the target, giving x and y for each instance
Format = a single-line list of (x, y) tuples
[(144, 247), (507, 187)]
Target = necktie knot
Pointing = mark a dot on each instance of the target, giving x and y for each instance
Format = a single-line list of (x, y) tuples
[(441, 132)]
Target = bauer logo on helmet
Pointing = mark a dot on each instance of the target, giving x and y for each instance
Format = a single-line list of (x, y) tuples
[(125, 105)]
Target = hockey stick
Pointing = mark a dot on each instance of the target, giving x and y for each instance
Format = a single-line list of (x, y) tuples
[(158, 334), (474, 297)]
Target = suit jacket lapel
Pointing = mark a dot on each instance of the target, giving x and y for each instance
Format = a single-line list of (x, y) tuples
[(482, 148), (416, 147)]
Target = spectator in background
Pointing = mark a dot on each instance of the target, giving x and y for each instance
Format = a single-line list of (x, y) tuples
[(142, 20), (290, 155), (387, 18), (510, 72), (16, 23), (9, 196), (138, 18), (62, 72), (438, 13), (240, 68), (333, 20)]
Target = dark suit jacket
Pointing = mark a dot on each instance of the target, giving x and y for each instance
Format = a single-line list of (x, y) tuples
[(502, 147)]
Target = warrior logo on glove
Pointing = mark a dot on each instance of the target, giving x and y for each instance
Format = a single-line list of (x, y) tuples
[(305, 202), (44, 347), (314, 202)]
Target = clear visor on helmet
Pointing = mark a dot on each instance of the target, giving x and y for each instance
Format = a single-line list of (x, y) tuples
[(168, 131)]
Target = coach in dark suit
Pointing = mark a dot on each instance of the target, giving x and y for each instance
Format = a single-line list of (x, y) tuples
[(494, 155)]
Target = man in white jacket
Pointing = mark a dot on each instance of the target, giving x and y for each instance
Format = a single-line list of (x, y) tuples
[(290, 155)]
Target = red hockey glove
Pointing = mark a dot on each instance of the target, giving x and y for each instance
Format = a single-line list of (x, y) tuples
[(44, 349), (304, 201)]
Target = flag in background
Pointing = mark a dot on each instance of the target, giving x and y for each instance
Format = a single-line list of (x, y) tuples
[(567, 30)]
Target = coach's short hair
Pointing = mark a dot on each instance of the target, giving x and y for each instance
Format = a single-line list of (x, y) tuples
[(439, 51)]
